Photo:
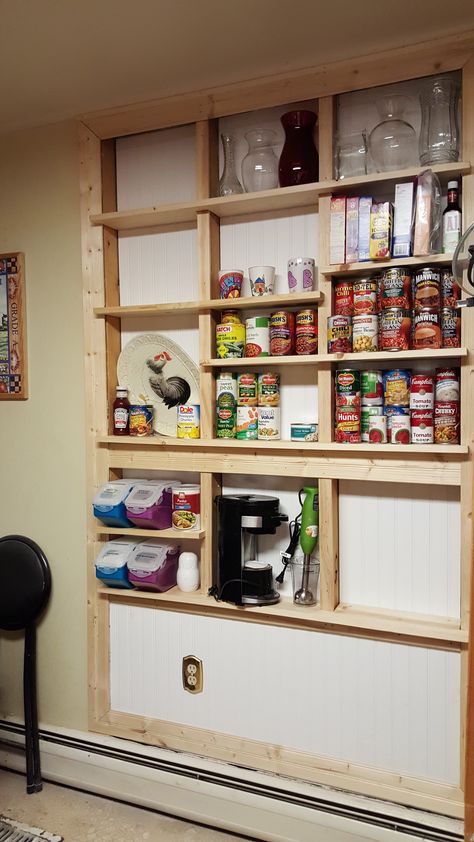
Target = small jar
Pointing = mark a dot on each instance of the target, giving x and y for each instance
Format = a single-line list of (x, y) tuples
[(188, 572)]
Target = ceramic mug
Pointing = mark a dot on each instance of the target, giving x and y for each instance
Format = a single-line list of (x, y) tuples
[(230, 283), (261, 279), (301, 274)]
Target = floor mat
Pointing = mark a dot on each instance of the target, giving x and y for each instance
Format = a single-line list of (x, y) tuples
[(11, 831)]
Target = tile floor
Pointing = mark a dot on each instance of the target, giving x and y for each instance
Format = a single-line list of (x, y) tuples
[(79, 817)]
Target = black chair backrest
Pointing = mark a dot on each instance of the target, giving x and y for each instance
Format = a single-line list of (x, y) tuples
[(25, 582)]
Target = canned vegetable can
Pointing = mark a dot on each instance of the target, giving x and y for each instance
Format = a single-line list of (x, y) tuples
[(226, 420), (268, 423), (257, 338), (247, 422), (269, 389), (247, 390), (365, 333)]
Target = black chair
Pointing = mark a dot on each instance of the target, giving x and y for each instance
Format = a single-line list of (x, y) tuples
[(25, 586)]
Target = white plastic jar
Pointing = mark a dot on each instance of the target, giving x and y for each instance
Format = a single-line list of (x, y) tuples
[(188, 572)]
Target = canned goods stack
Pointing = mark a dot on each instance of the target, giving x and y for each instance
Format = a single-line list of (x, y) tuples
[(248, 406), (397, 406), (396, 310)]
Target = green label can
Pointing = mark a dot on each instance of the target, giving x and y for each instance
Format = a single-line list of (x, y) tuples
[(225, 422), (226, 389), (247, 390), (247, 422)]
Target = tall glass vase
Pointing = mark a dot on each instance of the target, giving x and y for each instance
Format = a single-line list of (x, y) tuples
[(439, 136), (260, 165), (299, 162), (229, 183), (392, 142)]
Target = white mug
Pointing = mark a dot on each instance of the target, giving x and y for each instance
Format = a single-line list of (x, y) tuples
[(301, 274), (261, 279)]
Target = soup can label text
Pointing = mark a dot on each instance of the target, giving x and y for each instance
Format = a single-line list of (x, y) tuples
[(446, 422), (422, 426), (447, 384), (396, 386), (422, 391)]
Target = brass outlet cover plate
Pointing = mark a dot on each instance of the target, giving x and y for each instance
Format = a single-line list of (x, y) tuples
[(192, 674)]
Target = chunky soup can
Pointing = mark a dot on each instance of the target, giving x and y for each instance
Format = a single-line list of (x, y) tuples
[(339, 334)]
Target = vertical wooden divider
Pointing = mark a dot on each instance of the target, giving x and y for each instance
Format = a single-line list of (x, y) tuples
[(328, 488), (111, 271), (467, 487), (96, 412), (208, 234)]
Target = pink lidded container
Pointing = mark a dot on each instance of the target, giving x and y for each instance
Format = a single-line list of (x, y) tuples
[(153, 566), (149, 504)]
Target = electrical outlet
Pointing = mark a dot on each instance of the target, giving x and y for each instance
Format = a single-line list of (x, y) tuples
[(192, 674)]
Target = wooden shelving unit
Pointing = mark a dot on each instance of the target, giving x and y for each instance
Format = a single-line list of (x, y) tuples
[(211, 457), (167, 534)]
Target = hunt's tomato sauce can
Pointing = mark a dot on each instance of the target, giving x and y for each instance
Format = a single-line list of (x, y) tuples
[(348, 425), (343, 298)]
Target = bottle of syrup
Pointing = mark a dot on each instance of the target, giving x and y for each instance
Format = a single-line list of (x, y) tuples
[(121, 412), (451, 219)]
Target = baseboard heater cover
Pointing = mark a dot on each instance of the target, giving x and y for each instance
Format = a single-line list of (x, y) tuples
[(278, 792)]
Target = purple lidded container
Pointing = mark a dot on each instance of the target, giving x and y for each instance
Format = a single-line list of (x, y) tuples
[(153, 566), (149, 504)]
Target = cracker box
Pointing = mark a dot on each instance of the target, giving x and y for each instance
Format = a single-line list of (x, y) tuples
[(352, 229), (380, 231), (402, 220), (337, 230), (365, 206)]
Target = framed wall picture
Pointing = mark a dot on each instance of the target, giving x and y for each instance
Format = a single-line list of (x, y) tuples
[(13, 362)]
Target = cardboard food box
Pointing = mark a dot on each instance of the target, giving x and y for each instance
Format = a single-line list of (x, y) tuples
[(352, 229), (365, 207), (337, 230), (381, 231), (402, 220)]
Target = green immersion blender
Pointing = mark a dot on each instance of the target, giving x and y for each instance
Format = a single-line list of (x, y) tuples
[(308, 541)]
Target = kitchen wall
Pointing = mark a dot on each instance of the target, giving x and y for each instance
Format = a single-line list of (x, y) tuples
[(42, 439)]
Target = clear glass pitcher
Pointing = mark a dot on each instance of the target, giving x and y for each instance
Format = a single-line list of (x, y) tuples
[(439, 136), (392, 142), (260, 165)]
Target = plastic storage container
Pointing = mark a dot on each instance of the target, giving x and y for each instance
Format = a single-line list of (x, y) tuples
[(111, 563), (153, 566), (109, 502), (149, 504)]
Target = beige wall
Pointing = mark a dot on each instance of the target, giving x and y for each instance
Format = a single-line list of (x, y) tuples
[(42, 439)]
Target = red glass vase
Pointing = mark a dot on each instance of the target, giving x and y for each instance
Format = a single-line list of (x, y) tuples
[(299, 162)]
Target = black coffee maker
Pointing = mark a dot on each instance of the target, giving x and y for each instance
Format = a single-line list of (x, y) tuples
[(241, 578)]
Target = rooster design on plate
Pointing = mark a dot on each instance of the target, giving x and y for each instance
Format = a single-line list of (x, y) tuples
[(171, 390)]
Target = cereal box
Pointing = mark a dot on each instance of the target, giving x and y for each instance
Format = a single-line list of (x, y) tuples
[(380, 231)]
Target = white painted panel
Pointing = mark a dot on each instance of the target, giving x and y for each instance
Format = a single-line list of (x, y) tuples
[(157, 268), (399, 547), (382, 705), (156, 168)]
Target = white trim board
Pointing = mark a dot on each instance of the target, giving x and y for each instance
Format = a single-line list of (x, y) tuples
[(238, 800)]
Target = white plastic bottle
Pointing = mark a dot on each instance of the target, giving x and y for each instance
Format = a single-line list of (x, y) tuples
[(188, 572)]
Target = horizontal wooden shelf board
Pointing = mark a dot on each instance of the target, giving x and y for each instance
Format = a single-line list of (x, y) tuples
[(266, 201), (311, 299), (168, 534), (317, 359), (346, 618), (289, 447), (338, 269)]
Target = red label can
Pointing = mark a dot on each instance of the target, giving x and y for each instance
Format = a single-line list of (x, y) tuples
[(422, 426), (348, 425), (422, 391), (343, 298), (282, 333), (427, 328), (306, 340), (446, 422), (339, 334), (395, 329), (365, 296)]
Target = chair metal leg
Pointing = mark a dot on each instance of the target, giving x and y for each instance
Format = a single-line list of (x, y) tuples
[(33, 765)]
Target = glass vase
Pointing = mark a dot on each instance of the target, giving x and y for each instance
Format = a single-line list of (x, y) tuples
[(299, 162), (350, 155), (392, 142), (439, 136), (260, 165), (229, 184)]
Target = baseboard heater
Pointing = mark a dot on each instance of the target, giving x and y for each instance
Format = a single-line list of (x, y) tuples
[(374, 817)]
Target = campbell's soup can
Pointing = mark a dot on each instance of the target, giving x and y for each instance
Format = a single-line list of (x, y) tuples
[(395, 329), (257, 337), (447, 384), (365, 333), (306, 332), (365, 296), (343, 298), (422, 431), (348, 425), (422, 391), (339, 334), (400, 432), (451, 327), (247, 390), (268, 423), (247, 422), (269, 389), (371, 388), (367, 412), (282, 333), (446, 422), (396, 288), (450, 289), (427, 287), (427, 328), (347, 388), (392, 412), (377, 429)]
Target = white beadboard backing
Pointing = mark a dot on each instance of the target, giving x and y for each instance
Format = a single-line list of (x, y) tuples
[(158, 267), (156, 168), (286, 489), (400, 548), (383, 705)]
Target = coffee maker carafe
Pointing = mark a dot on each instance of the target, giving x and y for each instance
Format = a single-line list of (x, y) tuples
[(241, 577)]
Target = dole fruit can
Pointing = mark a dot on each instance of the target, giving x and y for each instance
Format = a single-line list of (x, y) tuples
[(268, 423), (247, 422), (422, 391), (188, 421), (257, 338), (422, 426)]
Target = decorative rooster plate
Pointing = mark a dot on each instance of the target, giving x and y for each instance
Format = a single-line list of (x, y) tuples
[(157, 371)]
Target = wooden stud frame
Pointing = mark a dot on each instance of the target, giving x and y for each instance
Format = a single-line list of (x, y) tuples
[(107, 457)]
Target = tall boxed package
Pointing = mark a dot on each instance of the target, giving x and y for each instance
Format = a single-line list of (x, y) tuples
[(402, 220), (365, 206), (337, 230), (352, 229)]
